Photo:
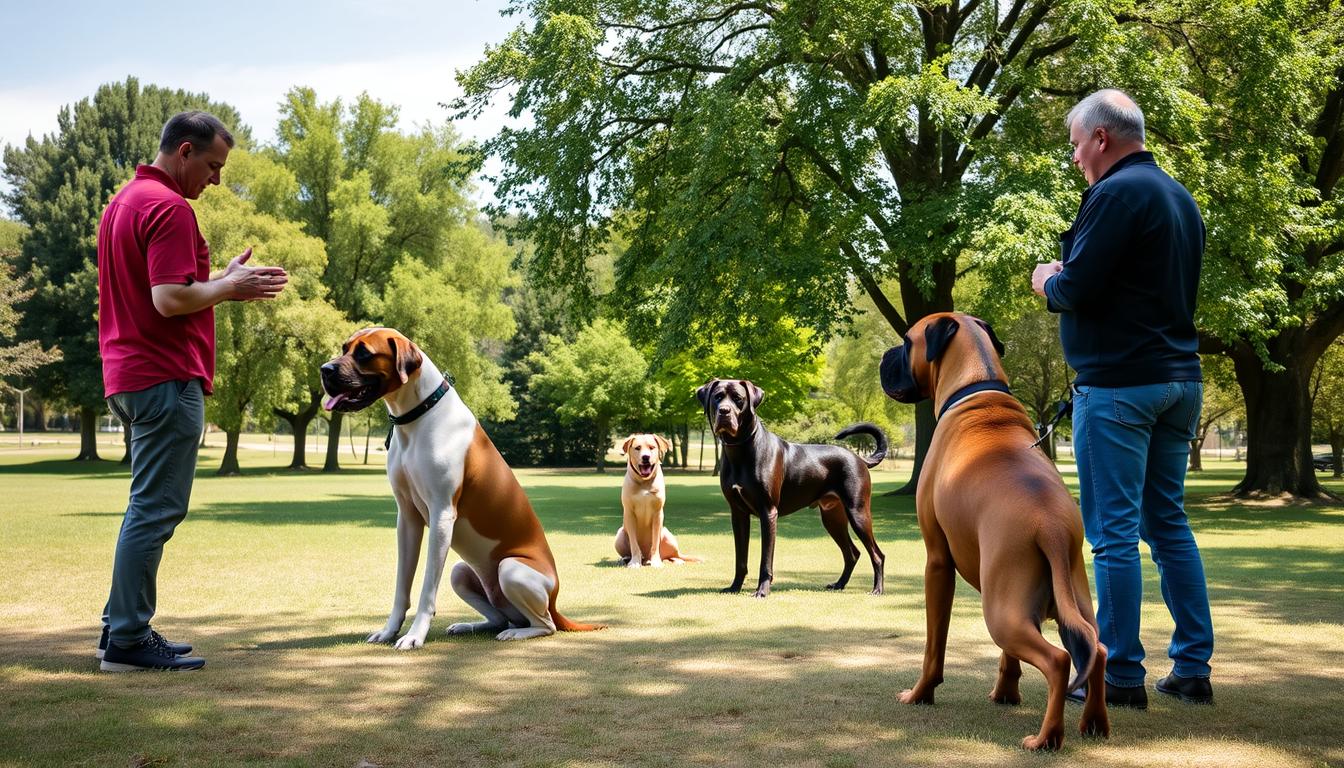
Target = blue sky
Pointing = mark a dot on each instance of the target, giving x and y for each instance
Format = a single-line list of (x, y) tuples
[(246, 53)]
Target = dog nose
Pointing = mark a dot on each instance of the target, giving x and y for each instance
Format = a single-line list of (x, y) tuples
[(328, 369)]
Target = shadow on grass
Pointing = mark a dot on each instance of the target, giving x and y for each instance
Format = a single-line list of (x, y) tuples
[(1299, 585), (787, 694)]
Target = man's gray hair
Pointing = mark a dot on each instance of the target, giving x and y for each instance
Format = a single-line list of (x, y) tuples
[(1111, 109)]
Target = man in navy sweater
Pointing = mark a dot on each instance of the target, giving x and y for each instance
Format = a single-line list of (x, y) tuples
[(1125, 292)]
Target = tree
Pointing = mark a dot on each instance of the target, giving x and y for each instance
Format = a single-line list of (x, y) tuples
[(256, 359), (379, 199), (772, 154), (455, 312), (1327, 401), (599, 378), (1222, 401), (1259, 138), (17, 358), (59, 186)]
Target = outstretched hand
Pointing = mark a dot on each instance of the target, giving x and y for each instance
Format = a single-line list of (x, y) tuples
[(253, 283)]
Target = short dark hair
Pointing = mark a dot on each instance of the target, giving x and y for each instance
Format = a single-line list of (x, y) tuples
[(200, 128)]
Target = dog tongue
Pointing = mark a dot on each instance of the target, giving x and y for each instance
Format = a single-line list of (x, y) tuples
[(332, 402)]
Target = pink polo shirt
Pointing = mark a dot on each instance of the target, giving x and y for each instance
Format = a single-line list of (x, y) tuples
[(148, 236)]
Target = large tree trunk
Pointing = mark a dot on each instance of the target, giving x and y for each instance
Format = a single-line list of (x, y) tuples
[(229, 467), (88, 435), (1197, 452), (603, 442), (1278, 423), (298, 424), (334, 443)]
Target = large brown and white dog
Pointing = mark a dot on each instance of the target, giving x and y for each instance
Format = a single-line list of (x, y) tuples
[(643, 495), (446, 475), (993, 508)]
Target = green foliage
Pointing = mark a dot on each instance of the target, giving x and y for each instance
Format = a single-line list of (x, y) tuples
[(1327, 390), (456, 313), (22, 357), (59, 186), (599, 378), (259, 361)]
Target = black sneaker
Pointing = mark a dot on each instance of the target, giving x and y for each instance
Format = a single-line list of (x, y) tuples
[(181, 649), (151, 653), (1191, 690), (1133, 698)]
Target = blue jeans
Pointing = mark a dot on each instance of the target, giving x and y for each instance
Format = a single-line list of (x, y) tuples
[(165, 423), (1132, 445)]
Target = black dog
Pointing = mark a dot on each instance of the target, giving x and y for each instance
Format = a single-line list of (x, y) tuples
[(765, 476)]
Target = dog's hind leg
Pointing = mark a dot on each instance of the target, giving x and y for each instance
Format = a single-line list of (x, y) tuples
[(1009, 605), (468, 586), (1006, 688), (833, 519), (861, 520), (529, 590)]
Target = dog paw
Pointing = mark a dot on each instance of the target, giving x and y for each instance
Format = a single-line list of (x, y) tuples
[(913, 696), (1095, 726), (634, 563), (655, 563), (409, 642), (461, 628), (733, 590), (1009, 698), (1048, 741), (523, 633), (381, 636), (761, 593), (835, 586)]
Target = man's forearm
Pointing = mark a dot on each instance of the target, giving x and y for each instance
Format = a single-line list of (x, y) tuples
[(177, 299)]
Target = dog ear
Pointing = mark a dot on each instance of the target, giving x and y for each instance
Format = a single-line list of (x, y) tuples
[(755, 393), (702, 394), (625, 447), (405, 362), (663, 445), (998, 345), (938, 335)]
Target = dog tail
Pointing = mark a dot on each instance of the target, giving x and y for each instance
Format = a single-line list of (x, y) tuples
[(871, 429), (1075, 632), (565, 625)]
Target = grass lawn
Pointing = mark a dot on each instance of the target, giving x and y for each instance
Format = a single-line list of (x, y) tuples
[(277, 577)]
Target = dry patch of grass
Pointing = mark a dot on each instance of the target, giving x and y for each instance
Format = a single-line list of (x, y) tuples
[(277, 577)]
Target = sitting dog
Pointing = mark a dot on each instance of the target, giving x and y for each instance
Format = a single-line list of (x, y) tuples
[(766, 477), (447, 475), (994, 509), (642, 498)]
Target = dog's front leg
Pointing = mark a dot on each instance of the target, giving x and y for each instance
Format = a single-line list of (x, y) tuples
[(769, 525), (631, 525), (440, 539), (741, 536), (939, 585), (656, 539), (410, 532)]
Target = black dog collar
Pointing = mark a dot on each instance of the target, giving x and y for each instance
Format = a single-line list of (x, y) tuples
[(419, 410), (993, 385)]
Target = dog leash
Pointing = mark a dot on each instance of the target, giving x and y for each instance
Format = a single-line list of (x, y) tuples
[(419, 410), (1062, 408)]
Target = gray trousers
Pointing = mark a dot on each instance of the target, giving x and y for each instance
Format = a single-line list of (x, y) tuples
[(165, 422)]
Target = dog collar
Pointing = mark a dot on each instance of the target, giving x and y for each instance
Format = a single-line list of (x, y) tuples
[(419, 410), (993, 385)]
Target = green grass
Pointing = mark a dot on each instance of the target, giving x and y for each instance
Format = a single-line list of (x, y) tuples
[(277, 577)]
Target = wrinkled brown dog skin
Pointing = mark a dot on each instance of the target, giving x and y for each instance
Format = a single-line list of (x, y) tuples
[(995, 510)]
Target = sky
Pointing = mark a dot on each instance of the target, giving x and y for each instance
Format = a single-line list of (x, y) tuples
[(248, 54)]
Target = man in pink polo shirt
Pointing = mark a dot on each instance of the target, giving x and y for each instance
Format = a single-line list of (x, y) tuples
[(156, 334)]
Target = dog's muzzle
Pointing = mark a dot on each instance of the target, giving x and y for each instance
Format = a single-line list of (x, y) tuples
[(348, 390), (898, 376)]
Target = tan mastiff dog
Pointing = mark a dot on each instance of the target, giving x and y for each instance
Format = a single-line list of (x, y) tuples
[(994, 509), (448, 477), (643, 495)]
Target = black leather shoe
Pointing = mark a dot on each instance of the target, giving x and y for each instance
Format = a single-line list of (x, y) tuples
[(151, 653), (181, 649), (1191, 690), (1133, 698)]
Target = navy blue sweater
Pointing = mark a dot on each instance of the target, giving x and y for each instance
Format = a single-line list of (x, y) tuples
[(1126, 297)]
